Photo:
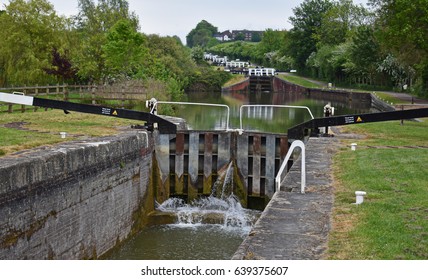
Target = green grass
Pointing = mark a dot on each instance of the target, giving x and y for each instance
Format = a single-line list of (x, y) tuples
[(235, 80), (299, 81), (389, 98), (44, 128), (392, 222)]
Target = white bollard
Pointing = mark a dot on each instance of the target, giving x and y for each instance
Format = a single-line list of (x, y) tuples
[(359, 197), (63, 134), (353, 146)]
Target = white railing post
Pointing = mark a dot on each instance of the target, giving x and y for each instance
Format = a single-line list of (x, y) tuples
[(271, 106), (294, 145)]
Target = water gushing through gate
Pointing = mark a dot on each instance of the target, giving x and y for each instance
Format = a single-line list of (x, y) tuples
[(222, 208)]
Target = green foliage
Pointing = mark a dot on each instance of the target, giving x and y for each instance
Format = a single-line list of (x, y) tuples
[(402, 29), (307, 20), (198, 54), (273, 40), (29, 31), (256, 37), (237, 50), (201, 35), (92, 24), (345, 43), (123, 51), (399, 74), (166, 59), (205, 79), (340, 22)]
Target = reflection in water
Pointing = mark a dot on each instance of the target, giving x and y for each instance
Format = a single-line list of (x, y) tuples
[(265, 119), (178, 242)]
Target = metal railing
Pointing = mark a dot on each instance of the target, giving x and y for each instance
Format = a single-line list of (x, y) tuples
[(294, 145), (154, 108), (271, 106)]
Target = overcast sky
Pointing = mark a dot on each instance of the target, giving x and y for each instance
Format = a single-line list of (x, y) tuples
[(179, 17)]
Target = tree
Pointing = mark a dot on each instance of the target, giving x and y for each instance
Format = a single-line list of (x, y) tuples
[(61, 67), (402, 29), (201, 34), (93, 22), (272, 40), (340, 21), (124, 51), (365, 53), (198, 54), (240, 37), (306, 21), (256, 37), (29, 30), (269, 50)]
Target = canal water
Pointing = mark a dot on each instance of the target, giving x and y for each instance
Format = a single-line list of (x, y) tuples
[(263, 119), (176, 242), (210, 228), (192, 237)]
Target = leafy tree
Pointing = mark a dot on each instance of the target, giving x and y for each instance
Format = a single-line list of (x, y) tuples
[(198, 54), (320, 62), (124, 51), (256, 37), (178, 40), (201, 34), (270, 51), (340, 21), (272, 40), (169, 62), (400, 75), (402, 29), (306, 22), (237, 50), (62, 67), (212, 42), (92, 23), (240, 37), (29, 30), (365, 54)]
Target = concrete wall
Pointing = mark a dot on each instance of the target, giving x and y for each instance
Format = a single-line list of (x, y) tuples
[(75, 200)]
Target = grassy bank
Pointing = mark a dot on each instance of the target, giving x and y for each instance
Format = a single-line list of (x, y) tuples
[(20, 131), (392, 222), (301, 81), (389, 98), (235, 80)]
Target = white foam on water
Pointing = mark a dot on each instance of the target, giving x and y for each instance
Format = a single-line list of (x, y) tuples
[(234, 218)]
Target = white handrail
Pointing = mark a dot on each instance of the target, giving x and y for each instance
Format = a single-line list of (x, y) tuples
[(274, 106), (294, 145), (193, 103)]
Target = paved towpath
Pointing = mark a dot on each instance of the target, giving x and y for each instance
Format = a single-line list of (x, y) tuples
[(294, 225)]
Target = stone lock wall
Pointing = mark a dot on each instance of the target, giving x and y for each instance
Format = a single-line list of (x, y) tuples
[(75, 200)]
